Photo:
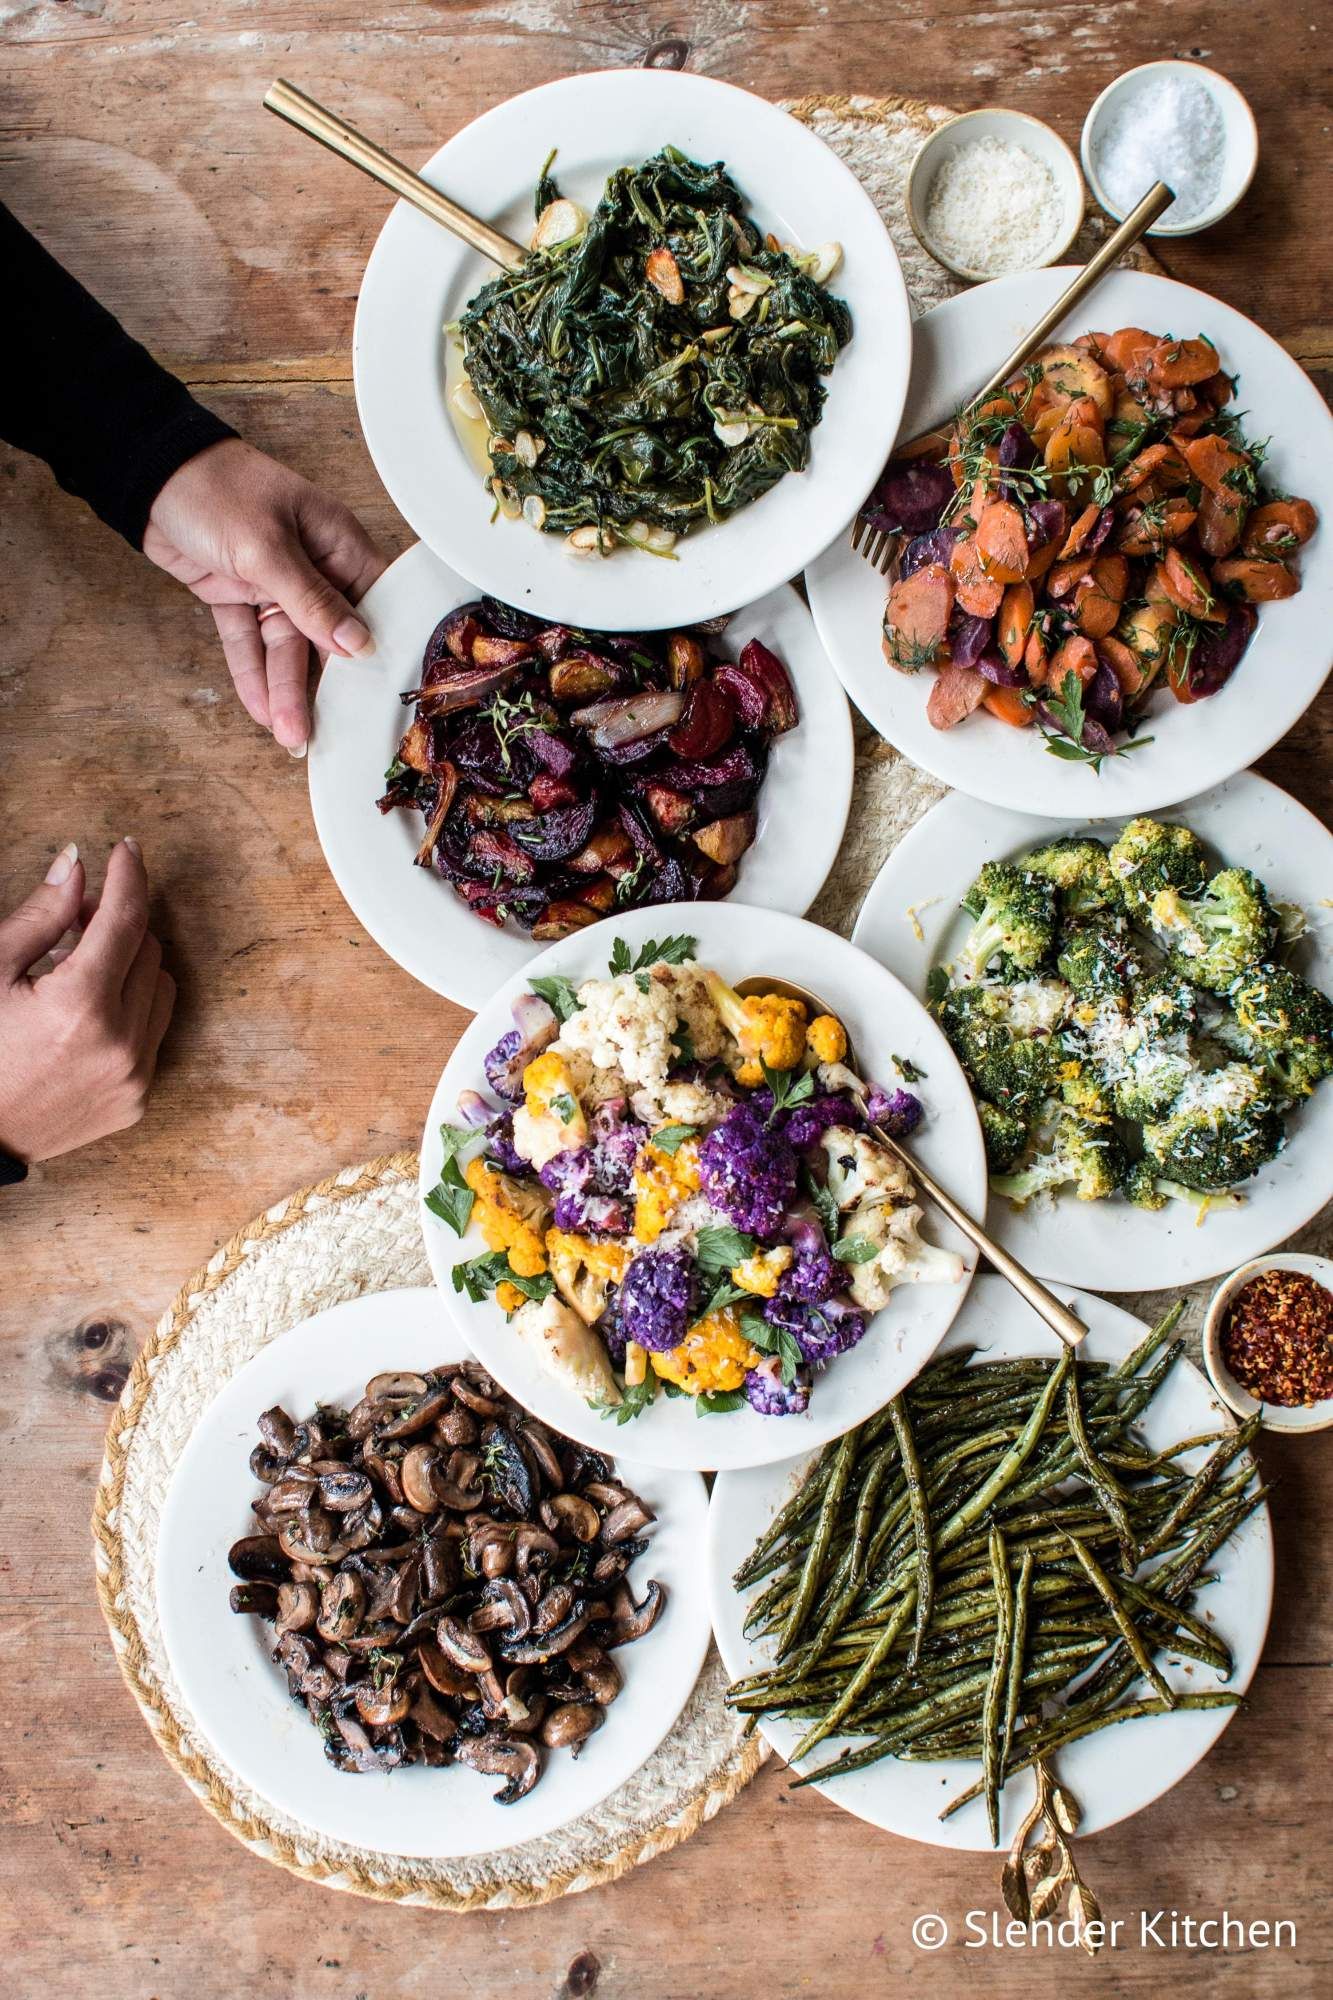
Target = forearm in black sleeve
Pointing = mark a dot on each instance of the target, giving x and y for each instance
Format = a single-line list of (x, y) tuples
[(77, 391)]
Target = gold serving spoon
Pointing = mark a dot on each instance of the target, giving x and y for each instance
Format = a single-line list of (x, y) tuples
[(1044, 1303), (286, 101)]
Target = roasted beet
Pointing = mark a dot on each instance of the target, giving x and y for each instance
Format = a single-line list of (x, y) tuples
[(737, 767), (554, 836), (507, 622), (1103, 699), (1049, 519), (996, 669), (968, 638), (635, 822), (935, 547), (750, 697), (707, 724), (554, 753), (764, 666), (493, 852), (911, 495), (671, 884), (1218, 651), (672, 810), (547, 791), (476, 749), (452, 638)]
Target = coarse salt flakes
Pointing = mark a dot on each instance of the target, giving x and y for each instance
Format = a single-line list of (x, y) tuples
[(993, 207), (1167, 129)]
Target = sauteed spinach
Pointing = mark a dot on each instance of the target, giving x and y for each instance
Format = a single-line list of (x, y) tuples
[(654, 365)]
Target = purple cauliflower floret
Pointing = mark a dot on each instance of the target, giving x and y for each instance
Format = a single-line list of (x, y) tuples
[(569, 1172), (535, 1028), (616, 1142), (813, 1274), (766, 1391), (820, 1331), (592, 1215), (500, 1145), (748, 1172), (613, 1333), (898, 1111), (657, 1296), (805, 1125), (499, 1066)]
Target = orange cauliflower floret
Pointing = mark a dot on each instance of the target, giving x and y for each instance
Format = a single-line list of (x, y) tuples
[(584, 1269), (662, 1181), (714, 1355), (769, 1028), (508, 1297), (826, 1039), (498, 1215), (759, 1274)]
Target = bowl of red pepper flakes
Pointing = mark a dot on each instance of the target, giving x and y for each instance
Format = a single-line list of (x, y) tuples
[(1268, 1341)]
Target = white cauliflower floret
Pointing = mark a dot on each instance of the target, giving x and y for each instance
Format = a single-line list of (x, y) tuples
[(902, 1257), (566, 1348), (861, 1170), (620, 1028)]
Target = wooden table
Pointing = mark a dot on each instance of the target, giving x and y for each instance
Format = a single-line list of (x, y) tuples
[(136, 149)]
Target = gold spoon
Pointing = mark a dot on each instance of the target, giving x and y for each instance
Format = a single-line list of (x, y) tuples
[(288, 102), (1059, 1318)]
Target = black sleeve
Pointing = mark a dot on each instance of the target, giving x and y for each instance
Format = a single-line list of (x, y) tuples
[(77, 391)]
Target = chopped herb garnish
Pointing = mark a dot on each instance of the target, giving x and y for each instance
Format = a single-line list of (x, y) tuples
[(669, 951), (634, 1401), (718, 1402), (670, 1138), (451, 1198), (855, 1250), (788, 1086), (558, 993), (719, 1250)]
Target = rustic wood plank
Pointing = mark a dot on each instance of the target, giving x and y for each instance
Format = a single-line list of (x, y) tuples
[(136, 148)]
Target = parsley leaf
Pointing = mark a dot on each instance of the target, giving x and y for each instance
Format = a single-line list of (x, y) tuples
[(785, 1092), (453, 1138), (563, 1106), (1066, 710), (673, 1389), (937, 984), (643, 982), (654, 951), (773, 1340), (855, 1250), (825, 1206), (671, 1138), (479, 1276), (908, 1070), (632, 1404), (619, 960), (451, 1198), (558, 993), (718, 1250), (717, 1402), (726, 1294)]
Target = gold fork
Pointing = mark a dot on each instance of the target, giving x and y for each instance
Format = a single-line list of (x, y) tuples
[(1061, 1320), (878, 545)]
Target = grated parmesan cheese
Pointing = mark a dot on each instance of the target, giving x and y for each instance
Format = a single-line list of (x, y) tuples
[(993, 207)]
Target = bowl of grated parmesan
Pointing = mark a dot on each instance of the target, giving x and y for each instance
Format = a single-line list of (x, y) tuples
[(994, 191)]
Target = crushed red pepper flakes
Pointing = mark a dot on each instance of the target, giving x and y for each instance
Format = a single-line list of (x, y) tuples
[(1278, 1339)]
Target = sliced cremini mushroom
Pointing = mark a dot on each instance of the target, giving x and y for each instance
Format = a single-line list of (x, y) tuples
[(396, 1386), (342, 1606), (442, 1675), (630, 1621), (596, 1669), (534, 1549), (482, 1396), (259, 1559), (461, 1647), (626, 1520), (381, 1706), (503, 1607), (454, 1427), (419, 1465), (416, 1415), (386, 1467), (260, 1599), (297, 1607), (293, 1492), (277, 1432), (506, 1471), (554, 1608), (540, 1646), (517, 1761), (568, 1726), (575, 1515), (439, 1568), (536, 1441), (490, 1548), (429, 1713), (342, 1489)]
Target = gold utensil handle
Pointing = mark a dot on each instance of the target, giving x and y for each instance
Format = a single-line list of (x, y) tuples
[(1139, 219), (1059, 1318), (288, 102)]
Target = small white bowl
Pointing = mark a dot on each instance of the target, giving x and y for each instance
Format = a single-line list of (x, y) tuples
[(994, 122), (1240, 142), (1276, 1416)]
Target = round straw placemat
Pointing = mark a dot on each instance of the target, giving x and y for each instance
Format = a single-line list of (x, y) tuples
[(355, 1233), (358, 1232)]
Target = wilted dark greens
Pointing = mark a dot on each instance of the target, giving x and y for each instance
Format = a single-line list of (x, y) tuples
[(619, 384)]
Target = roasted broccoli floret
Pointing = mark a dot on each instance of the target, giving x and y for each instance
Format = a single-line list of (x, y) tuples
[(1098, 954), (1015, 921), (1010, 1069), (1144, 1188), (1076, 1080), (1168, 1001), (1139, 1065), (1222, 1129), (1004, 1134), (1084, 1152), (1080, 870), (1288, 1024), (1152, 855), (1213, 937)]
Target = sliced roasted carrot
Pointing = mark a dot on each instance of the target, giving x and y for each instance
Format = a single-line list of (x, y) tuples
[(1077, 656), (1001, 542), (1008, 704), (1216, 390), (1221, 518), (1127, 412), (1124, 663), (976, 592), (917, 615), (956, 693), (1011, 629), (1214, 462), (1186, 584), (1144, 466), (1258, 582), (1155, 590), (1072, 375), (1146, 530), (1278, 527), (1175, 364), (1147, 631), (1036, 657), (1123, 348), (1071, 447), (1084, 524), (1098, 599), (1067, 575)]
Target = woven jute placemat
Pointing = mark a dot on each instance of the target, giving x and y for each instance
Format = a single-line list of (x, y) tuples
[(358, 1232)]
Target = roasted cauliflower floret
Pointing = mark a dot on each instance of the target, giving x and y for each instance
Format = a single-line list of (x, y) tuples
[(550, 1119), (859, 1170), (826, 1039), (510, 1216), (584, 1270), (769, 1028), (760, 1274), (714, 1355), (662, 1181), (901, 1256), (566, 1348)]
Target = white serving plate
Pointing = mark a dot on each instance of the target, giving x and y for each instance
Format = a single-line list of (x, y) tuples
[(239, 1699), (1112, 1774), (883, 1020), (412, 913), (419, 277), (1194, 747), (1111, 1245)]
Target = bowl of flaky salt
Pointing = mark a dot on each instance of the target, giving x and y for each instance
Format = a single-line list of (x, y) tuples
[(994, 191), (1176, 122)]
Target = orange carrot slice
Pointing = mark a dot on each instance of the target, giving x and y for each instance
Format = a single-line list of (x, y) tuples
[(916, 616), (1258, 582)]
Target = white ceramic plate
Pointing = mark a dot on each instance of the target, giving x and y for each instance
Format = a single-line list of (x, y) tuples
[(413, 914), (1112, 1774), (1115, 1247), (883, 1020), (239, 1698), (418, 278), (1194, 747)]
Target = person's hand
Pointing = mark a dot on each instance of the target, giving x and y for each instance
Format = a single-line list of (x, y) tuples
[(78, 1044), (243, 533)]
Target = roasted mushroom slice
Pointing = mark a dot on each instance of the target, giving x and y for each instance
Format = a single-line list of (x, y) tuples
[(416, 1474), (382, 1706), (626, 1520), (260, 1599), (541, 1646), (277, 1432), (630, 1621), (577, 1516), (505, 1470), (503, 1608), (297, 1607), (259, 1559), (461, 1647), (569, 1725), (342, 1606), (516, 1760)]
